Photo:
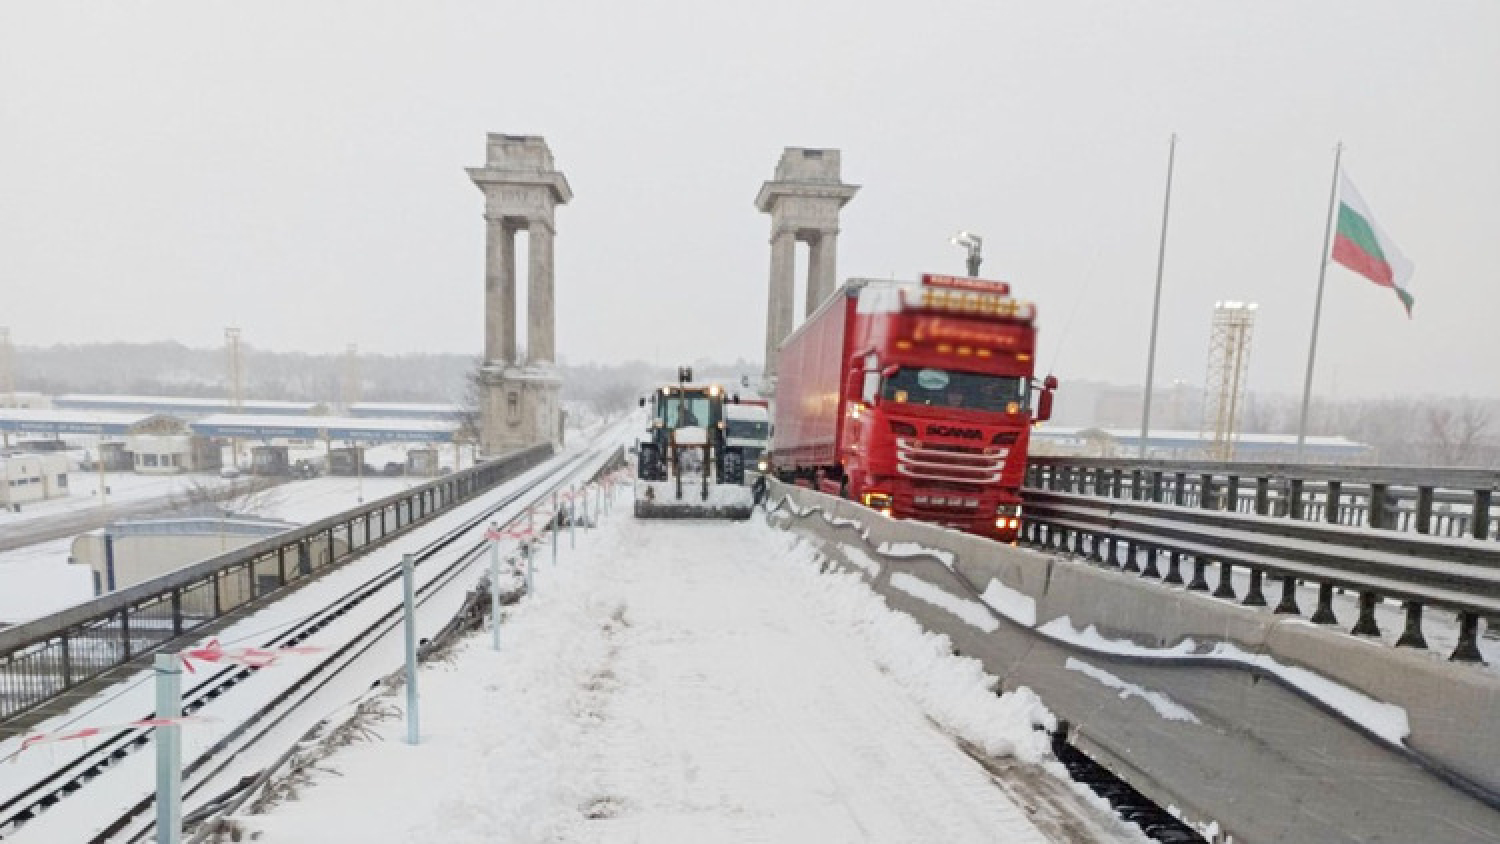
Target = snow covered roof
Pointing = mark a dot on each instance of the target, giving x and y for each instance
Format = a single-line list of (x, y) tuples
[(56, 421), (266, 426), (83, 400)]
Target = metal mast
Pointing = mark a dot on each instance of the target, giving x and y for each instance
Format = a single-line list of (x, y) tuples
[(1228, 363), (1161, 260)]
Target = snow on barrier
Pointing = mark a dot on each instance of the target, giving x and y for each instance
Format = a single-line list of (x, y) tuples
[(1380, 730)]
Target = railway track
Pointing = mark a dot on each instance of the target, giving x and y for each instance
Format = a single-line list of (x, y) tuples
[(73, 777)]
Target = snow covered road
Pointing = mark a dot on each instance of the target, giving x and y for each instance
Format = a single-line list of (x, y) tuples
[(686, 682)]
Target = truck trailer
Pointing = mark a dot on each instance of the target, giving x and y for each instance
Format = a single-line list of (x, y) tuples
[(916, 400)]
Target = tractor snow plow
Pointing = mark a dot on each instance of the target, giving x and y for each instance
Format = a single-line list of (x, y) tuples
[(684, 468)]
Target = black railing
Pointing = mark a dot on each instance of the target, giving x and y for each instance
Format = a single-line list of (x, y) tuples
[(47, 657), (1438, 502), (1457, 574)]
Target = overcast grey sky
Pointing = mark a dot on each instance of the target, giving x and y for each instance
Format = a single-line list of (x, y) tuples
[(296, 169)]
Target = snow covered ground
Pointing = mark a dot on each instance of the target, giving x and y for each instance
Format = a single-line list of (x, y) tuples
[(37, 580), (123, 487), (684, 682)]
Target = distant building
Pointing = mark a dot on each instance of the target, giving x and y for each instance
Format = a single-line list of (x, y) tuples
[(422, 462), (31, 401), (165, 445), (270, 460), (183, 408), (130, 552), (25, 478)]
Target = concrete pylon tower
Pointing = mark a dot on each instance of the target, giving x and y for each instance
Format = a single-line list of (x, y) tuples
[(804, 201), (521, 192)]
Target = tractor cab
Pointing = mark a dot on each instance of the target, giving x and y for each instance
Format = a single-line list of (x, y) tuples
[(683, 457)]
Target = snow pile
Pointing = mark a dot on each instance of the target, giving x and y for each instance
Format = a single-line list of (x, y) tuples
[(1384, 720), (1164, 705), (954, 691), (973, 614), (858, 557), (1016, 606), (908, 550)]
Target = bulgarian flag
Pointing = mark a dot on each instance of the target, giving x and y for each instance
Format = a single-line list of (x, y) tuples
[(1363, 247)]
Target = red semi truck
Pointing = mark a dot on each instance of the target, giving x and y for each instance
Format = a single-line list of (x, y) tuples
[(915, 399)]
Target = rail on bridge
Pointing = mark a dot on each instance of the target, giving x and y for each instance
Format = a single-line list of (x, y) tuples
[(1441, 502), (43, 660)]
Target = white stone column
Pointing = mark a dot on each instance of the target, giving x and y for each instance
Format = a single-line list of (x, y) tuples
[(782, 307), (499, 292), (822, 272), (540, 321)]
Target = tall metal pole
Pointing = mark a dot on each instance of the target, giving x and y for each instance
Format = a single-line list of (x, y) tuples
[(408, 564), (1161, 260), (1312, 345), (168, 750)]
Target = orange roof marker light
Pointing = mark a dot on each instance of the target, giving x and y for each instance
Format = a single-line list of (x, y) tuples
[(973, 285)]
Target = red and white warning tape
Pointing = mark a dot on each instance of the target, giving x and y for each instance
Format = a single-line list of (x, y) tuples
[(215, 653), (92, 732)]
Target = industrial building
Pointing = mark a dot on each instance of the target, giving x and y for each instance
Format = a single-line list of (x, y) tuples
[(165, 445), (25, 478)]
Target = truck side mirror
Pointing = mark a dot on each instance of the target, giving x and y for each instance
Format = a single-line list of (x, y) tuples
[(1044, 402)]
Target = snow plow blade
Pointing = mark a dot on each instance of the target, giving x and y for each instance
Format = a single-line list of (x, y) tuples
[(658, 500)]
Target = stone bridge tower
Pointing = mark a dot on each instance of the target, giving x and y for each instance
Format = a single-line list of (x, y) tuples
[(521, 390), (804, 201)]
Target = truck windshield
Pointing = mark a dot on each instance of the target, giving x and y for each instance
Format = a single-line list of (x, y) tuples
[(693, 409), (748, 429), (944, 388)]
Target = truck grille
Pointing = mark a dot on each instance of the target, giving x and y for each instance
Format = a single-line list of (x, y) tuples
[(955, 464)]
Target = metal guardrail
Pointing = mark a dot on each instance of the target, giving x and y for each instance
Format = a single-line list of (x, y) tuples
[(1458, 574), (45, 658), (1441, 502)]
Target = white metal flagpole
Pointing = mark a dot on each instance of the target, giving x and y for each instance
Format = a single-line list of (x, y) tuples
[(1312, 346), (1161, 257)]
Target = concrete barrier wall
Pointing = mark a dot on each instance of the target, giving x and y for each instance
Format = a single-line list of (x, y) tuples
[(1256, 727)]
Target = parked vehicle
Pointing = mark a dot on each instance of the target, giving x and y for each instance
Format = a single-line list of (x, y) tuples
[(747, 427)]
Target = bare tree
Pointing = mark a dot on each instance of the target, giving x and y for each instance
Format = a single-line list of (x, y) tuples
[(471, 413), (611, 399), (1455, 433), (245, 497)]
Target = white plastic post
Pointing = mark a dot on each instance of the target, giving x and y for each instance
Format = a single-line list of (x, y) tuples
[(495, 589), (408, 564), (168, 750)]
